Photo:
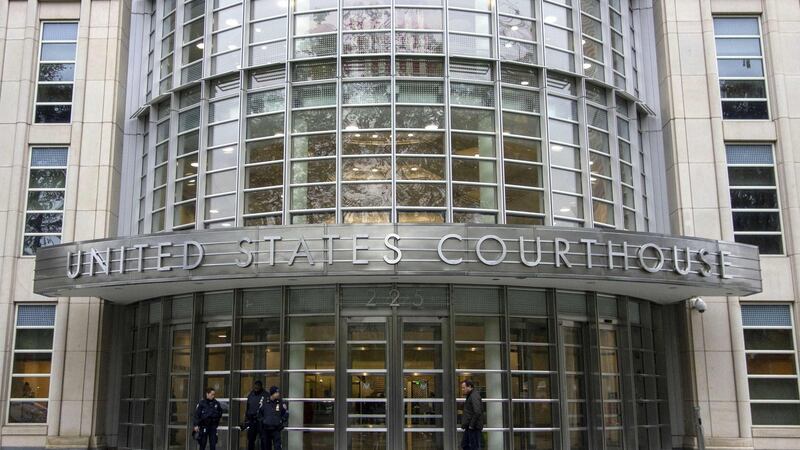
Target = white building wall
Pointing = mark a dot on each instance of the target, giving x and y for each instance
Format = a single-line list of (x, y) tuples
[(76, 417), (695, 135)]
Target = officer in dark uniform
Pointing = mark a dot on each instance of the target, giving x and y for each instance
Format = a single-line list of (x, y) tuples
[(207, 415), (255, 399), (273, 415)]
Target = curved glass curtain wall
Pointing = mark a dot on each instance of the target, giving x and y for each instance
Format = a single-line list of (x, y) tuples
[(557, 369), (354, 111)]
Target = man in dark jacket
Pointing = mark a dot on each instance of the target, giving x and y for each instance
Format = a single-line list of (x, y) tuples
[(472, 419), (255, 399), (207, 415), (273, 416)]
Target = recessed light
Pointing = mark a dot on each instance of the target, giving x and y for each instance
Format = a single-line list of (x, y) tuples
[(410, 134), (374, 136), (357, 135)]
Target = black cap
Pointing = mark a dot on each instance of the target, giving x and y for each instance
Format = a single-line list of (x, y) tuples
[(258, 383), (273, 390)]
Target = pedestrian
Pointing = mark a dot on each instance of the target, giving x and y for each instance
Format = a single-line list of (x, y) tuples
[(273, 415), (207, 415), (472, 418), (251, 424)]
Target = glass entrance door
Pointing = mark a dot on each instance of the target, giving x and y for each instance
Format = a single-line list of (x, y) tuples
[(397, 397)]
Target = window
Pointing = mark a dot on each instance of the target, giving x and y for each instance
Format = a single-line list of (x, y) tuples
[(44, 214), (30, 373), (56, 72), (754, 197), (741, 68), (771, 364)]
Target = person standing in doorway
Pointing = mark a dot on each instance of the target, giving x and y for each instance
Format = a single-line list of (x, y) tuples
[(273, 415), (472, 418), (207, 415), (255, 399)]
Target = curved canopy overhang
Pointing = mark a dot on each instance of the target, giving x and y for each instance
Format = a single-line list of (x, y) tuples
[(655, 267)]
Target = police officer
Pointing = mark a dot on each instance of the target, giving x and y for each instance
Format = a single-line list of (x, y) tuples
[(255, 399), (206, 420), (273, 416)]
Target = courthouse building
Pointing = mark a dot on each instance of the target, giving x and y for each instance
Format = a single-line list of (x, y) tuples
[(585, 206)]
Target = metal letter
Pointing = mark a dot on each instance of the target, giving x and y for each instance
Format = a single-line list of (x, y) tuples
[(122, 259), (94, 256), (623, 253), (676, 262), (538, 259), (560, 254), (643, 264), (489, 262), (393, 247), (306, 252), (140, 256), (271, 240), (329, 238), (357, 247), (161, 255), (440, 249), (78, 266), (705, 264), (201, 252), (246, 251), (589, 243), (723, 264)]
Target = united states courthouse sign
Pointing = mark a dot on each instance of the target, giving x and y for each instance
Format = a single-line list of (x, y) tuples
[(454, 250)]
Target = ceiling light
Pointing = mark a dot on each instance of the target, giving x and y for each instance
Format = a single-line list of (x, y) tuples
[(410, 134), (222, 336), (374, 170), (374, 136), (213, 211), (231, 22), (414, 169), (557, 148), (194, 164), (263, 47), (524, 83), (587, 65), (514, 28), (357, 135), (551, 19), (583, 41), (227, 150), (226, 224), (565, 210), (351, 128), (258, 30), (432, 126), (232, 47), (477, 155), (200, 45)]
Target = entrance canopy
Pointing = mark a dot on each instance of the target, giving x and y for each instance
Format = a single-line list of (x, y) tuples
[(657, 267)]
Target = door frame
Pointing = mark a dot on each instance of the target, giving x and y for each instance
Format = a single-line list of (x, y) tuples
[(394, 318)]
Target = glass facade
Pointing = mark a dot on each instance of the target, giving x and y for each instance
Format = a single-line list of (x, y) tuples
[(381, 365), (371, 111)]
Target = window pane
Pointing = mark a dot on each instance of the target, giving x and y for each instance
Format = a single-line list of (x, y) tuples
[(771, 364), (775, 414)]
